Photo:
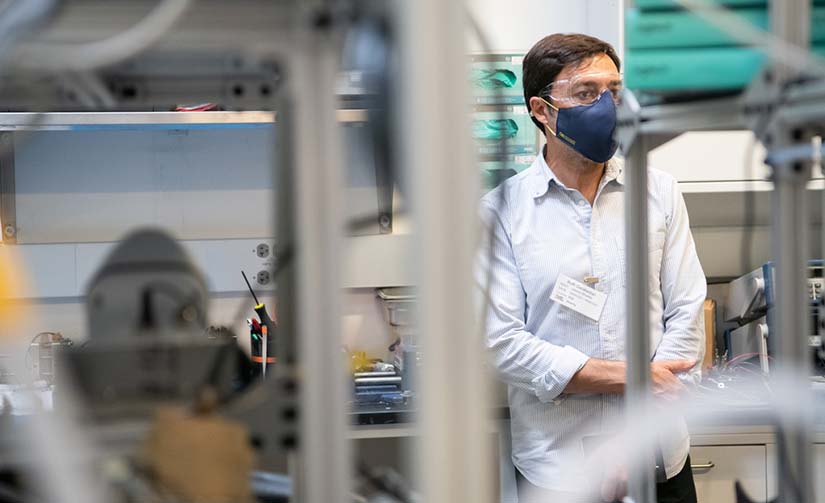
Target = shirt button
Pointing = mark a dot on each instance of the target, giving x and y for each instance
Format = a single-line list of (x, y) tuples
[(582, 202)]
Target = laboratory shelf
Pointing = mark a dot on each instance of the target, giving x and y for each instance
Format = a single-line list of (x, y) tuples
[(135, 121)]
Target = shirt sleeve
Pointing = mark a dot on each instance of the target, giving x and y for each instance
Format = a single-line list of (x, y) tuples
[(521, 358), (684, 290)]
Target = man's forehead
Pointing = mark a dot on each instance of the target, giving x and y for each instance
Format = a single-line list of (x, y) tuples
[(598, 63)]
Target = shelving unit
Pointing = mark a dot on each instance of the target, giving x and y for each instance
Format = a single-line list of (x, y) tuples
[(128, 121)]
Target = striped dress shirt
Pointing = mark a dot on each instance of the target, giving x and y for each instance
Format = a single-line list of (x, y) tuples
[(541, 229)]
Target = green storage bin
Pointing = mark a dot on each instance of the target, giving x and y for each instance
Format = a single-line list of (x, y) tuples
[(659, 30), (705, 69), (488, 128), (670, 4), (497, 82)]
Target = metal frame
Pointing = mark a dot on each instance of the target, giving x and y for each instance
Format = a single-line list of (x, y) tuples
[(317, 170), (789, 232), (790, 21), (641, 482), (453, 460), (254, 36), (8, 204)]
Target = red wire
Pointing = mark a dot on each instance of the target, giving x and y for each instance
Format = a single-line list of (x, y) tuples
[(746, 355)]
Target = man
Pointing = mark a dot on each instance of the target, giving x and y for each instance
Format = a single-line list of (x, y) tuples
[(558, 227)]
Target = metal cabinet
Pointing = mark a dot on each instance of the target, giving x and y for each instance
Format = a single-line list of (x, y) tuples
[(717, 467)]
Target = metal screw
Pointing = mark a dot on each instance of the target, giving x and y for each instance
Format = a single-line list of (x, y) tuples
[(10, 231)]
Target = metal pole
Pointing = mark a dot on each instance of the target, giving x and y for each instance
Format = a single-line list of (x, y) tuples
[(790, 348), (454, 461), (323, 458), (642, 481), (789, 234)]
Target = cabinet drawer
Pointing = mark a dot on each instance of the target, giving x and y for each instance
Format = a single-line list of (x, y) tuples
[(718, 467)]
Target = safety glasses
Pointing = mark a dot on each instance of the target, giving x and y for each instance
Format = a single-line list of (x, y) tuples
[(585, 89)]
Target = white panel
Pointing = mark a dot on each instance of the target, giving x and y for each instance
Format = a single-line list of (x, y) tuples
[(515, 25), (378, 261), (75, 186), (222, 262), (90, 257), (719, 249), (46, 271), (605, 19), (710, 156), (744, 463), (64, 270), (713, 157)]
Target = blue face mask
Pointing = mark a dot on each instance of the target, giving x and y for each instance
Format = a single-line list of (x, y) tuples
[(588, 129)]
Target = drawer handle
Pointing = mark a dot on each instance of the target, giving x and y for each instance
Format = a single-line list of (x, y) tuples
[(703, 466)]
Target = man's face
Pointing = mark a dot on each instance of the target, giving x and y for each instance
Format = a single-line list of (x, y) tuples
[(576, 85)]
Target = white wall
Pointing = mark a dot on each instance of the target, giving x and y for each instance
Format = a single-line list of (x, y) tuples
[(515, 25), (713, 173)]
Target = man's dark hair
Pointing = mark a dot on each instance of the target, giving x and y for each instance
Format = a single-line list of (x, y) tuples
[(551, 54)]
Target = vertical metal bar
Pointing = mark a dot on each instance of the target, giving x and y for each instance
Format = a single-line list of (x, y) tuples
[(385, 188), (789, 235), (642, 482), (454, 460), (323, 460), (790, 21), (8, 207)]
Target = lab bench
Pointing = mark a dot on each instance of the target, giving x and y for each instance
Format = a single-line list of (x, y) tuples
[(720, 454)]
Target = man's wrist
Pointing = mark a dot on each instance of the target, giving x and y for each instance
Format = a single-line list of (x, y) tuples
[(598, 376)]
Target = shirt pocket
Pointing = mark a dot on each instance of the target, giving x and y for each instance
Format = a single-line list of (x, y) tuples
[(655, 246)]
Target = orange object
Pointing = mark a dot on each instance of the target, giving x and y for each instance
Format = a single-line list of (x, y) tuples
[(11, 284), (709, 309)]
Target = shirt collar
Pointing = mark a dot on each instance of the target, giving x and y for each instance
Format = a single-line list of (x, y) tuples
[(544, 175)]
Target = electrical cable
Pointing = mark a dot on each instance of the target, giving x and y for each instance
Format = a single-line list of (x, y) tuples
[(87, 56)]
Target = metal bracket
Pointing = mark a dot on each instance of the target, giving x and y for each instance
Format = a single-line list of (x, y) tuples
[(8, 211), (384, 187)]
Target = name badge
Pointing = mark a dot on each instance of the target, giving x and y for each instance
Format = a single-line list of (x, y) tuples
[(579, 297)]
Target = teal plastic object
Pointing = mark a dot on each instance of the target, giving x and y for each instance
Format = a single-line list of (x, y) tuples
[(704, 69), (488, 128), (496, 82), (671, 29), (494, 129), (493, 79), (670, 4)]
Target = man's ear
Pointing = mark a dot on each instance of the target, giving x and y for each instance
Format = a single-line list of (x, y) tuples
[(539, 110)]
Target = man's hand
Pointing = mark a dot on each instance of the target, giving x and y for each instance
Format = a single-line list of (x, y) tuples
[(614, 485), (606, 376), (663, 378)]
